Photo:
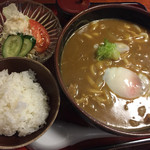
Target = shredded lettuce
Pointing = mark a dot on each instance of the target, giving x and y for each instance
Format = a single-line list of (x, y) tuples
[(107, 51)]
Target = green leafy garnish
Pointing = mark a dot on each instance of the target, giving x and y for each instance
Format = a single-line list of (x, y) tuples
[(107, 51)]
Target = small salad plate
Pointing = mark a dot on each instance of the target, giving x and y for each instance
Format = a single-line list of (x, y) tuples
[(28, 29)]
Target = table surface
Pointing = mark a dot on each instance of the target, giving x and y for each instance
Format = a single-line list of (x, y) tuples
[(104, 141), (146, 3)]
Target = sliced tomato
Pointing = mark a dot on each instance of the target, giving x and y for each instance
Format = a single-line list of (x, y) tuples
[(41, 35)]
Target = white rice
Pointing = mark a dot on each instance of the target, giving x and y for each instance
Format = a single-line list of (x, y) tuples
[(23, 103)]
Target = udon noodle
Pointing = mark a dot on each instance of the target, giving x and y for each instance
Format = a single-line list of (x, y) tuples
[(88, 79)]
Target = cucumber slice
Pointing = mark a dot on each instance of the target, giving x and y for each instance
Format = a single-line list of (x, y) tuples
[(28, 44), (12, 46), (31, 38)]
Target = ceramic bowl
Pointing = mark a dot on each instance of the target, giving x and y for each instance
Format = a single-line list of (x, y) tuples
[(110, 11), (47, 81)]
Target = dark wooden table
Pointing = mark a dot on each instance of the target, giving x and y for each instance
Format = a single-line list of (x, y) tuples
[(146, 3), (99, 143)]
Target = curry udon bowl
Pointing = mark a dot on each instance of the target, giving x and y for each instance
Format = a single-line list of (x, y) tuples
[(48, 83), (102, 65)]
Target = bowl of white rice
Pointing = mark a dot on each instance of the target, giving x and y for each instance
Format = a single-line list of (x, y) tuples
[(29, 101)]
